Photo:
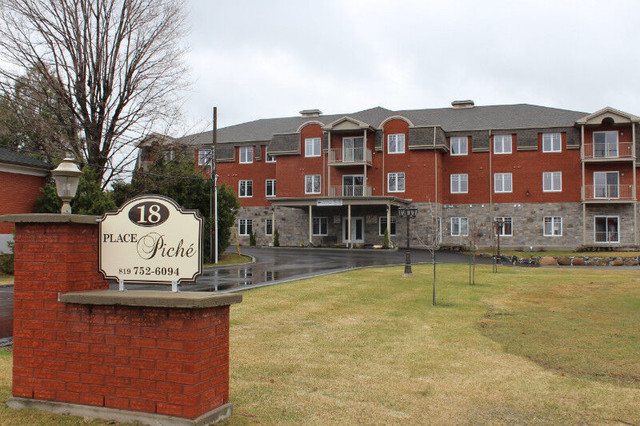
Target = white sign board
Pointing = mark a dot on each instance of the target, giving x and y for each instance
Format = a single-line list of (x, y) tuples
[(329, 202), (150, 239)]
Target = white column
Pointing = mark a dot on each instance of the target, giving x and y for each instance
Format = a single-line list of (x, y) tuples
[(310, 225), (364, 157), (583, 189), (349, 226), (389, 222)]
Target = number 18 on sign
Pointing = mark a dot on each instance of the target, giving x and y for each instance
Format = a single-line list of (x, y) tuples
[(150, 239)]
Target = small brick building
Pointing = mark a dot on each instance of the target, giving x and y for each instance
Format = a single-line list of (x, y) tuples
[(21, 178)]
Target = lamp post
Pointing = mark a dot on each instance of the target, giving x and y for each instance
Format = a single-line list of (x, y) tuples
[(499, 225), (408, 212), (67, 176)]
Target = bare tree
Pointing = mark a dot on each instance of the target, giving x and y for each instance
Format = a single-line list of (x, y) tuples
[(474, 235), (115, 65)]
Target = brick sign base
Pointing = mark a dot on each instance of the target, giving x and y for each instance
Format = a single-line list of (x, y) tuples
[(149, 356)]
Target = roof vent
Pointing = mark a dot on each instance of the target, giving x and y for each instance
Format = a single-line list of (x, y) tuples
[(462, 104), (310, 112)]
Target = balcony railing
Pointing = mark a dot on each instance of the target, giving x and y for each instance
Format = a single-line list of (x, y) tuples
[(350, 191), (610, 192), (621, 150), (349, 156)]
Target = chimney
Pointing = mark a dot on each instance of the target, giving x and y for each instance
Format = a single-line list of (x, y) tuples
[(462, 104), (310, 112)]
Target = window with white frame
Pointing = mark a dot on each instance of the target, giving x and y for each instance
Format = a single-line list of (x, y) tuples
[(268, 227), (606, 229), (204, 157), (551, 142), (246, 154), (605, 144), (245, 227), (395, 182), (395, 143), (268, 158), (312, 147), (459, 145), (312, 184), (606, 185), (552, 226), (169, 155), (507, 226), (382, 225), (245, 188), (502, 144), (459, 183), (459, 226), (320, 226), (502, 182), (270, 188), (552, 181)]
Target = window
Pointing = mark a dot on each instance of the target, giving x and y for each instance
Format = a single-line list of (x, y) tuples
[(507, 226), (605, 144), (459, 226), (395, 182), (204, 157), (270, 188), (245, 227), (246, 154), (551, 142), (312, 184), (382, 225), (320, 226), (459, 184), (395, 143), (245, 188), (458, 145), (269, 158), (353, 186), (169, 155), (552, 226), (605, 185), (502, 182), (606, 229), (352, 149), (552, 181), (268, 227), (312, 147), (502, 144)]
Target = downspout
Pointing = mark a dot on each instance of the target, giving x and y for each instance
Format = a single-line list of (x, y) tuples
[(583, 188), (635, 210), (491, 233), (435, 166)]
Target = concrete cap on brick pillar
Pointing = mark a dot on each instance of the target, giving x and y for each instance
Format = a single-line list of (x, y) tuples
[(50, 218), (152, 298)]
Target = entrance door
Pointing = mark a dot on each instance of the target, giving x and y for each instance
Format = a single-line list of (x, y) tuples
[(357, 230)]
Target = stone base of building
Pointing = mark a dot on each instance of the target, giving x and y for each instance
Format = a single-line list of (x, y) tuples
[(125, 416)]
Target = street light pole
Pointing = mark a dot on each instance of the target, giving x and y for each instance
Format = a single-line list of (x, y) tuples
[(407, 212)]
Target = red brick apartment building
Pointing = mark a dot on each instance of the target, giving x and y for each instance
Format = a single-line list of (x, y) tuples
[(556, 178)]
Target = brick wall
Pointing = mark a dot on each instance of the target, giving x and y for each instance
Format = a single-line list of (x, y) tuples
[(18, 193), (163, 360)]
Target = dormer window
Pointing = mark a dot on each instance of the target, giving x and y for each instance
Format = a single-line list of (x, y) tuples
[(246, 154)]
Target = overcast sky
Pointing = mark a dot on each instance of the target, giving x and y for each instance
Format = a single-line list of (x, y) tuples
[(261, 59)]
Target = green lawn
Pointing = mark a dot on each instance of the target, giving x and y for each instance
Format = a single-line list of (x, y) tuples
[(525, 345), (227, 259)]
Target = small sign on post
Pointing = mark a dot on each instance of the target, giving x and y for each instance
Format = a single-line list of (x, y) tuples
[(151, 240)]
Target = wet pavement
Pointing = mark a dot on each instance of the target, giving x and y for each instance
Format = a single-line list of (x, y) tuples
[(271, 266)]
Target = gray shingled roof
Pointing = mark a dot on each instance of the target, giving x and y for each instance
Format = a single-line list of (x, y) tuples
[(11, 157), (494, 117)]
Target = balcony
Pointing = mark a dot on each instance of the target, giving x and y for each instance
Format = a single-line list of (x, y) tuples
[(350, 191), (612, 193), (622, 151), (350, 157)]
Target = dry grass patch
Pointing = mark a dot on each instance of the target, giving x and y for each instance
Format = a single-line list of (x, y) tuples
[(367, 347)]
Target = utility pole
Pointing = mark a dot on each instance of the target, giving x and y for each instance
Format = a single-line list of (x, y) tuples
[(213, 190)]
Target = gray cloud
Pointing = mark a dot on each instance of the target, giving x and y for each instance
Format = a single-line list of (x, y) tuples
[(257, 59)]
